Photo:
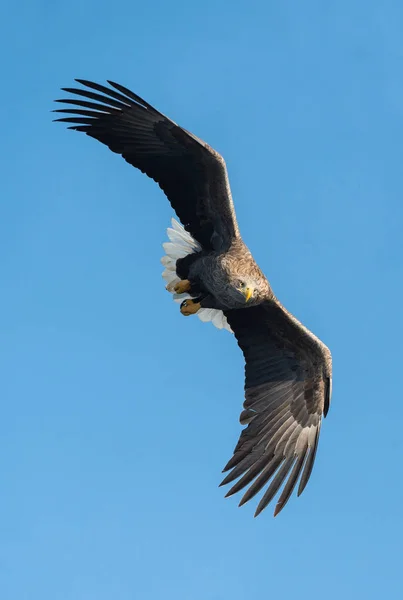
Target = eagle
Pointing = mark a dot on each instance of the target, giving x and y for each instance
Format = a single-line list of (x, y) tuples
[(212, 273)]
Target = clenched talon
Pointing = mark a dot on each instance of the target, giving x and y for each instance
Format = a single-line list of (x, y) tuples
[(182, 286), (188, 307)]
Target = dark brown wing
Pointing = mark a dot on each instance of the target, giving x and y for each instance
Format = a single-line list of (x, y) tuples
[(192, 175), (287, 390)]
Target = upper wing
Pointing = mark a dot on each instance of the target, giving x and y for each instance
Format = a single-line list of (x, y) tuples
[(287, 390), (192, 175)]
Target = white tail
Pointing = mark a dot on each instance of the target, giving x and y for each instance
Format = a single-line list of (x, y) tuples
[(180, 245)]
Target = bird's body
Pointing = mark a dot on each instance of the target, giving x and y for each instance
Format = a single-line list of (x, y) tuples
[(288, 370), (216, 273)]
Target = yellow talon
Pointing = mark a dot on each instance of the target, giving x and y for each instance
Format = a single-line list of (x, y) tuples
[(188, 307), (182, 286)]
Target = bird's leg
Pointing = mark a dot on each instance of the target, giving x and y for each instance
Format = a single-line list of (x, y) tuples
[(190, 307), (208, 301), (182, 286), (187, 284), (184, 265)]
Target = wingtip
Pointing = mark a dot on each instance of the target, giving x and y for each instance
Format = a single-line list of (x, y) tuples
[(231, 464), (259, 510), (301, 487), (86, 82), (226, 480)]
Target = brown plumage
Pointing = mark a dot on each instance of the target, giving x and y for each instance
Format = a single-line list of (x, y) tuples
[(288, 371)]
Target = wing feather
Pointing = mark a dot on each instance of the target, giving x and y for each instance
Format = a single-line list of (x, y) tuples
[(287, 388), (274, 486), (309, 462), (292, 480), (263, 478), (192, 175)]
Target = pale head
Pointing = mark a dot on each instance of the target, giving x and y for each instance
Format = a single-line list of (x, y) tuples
[(251, 289)]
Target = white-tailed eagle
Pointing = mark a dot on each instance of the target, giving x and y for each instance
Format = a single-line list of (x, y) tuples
[(288, 370)]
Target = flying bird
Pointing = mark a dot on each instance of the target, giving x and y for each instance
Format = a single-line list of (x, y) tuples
[(211, 272)]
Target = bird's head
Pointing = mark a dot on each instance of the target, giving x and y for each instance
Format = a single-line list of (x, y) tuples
[(247, 288)]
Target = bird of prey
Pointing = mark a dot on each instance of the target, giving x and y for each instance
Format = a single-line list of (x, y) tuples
[(288, 370)]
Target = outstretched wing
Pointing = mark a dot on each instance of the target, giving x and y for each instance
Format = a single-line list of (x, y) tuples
[(287, 390), (192, 175)]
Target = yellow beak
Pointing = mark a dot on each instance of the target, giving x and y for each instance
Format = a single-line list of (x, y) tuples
[(248, 293)]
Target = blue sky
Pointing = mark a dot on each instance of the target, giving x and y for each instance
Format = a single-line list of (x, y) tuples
[(117, 413)]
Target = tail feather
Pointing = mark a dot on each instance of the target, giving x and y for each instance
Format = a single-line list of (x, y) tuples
[(180, 245)]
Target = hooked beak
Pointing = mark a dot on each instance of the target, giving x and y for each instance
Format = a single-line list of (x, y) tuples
[(248, 293)]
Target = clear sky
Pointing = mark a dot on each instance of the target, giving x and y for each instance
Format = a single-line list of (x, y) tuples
[(118, 414)]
